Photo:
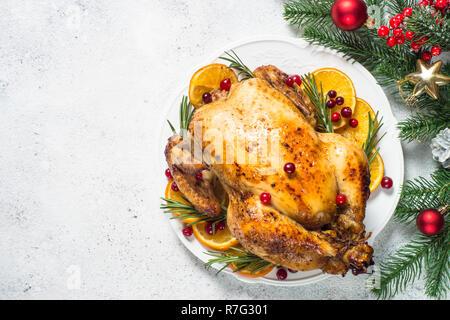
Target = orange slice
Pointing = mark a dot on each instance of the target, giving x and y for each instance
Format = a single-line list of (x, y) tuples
[(221, 240), (177, 196), (334, 79), (376, 172), (360, 133), (207, 79)]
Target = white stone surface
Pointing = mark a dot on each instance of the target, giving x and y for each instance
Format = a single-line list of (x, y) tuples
[(83, 85)]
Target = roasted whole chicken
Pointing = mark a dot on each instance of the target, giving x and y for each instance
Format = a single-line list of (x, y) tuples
[(241, 142)]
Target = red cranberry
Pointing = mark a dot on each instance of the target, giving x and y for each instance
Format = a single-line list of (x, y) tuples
[(289, 167), (391, 41), (346, 112), (407, 12), (199, 176), (383, 31), (409, 35), (441, 4), (435, 51), (341, 199), (332, 94), (394, 23), (220, 225), (174, 187), (207, 98), (331, 103), (339, 101), (353, 123), (399, 17), (209, 228), (335, 117), (297, 79), (386, 183), (401, 40), (281, 274), (168, 174), (225, 84), (265, 198), (398, 32), (290, 82), (187, 231), (415, 45), (426, 56)]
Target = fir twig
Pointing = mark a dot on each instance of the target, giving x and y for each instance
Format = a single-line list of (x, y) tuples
[(319, 102), (421, 193), (405, 265), (186, 114), (240, 259), (188, 211), (236, 63), (370, 146), (300, 13)]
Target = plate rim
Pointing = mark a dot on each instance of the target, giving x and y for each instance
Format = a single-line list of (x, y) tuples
[(303, 43)]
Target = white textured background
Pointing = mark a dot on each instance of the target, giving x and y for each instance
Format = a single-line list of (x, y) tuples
[(83, 87)]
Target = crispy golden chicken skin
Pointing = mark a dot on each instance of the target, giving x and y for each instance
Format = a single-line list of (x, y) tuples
[(246, 139)]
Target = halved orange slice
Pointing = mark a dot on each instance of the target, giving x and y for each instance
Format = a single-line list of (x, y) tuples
[(207, 79), (221, 240), (376, 172), (360, 133), (177, 196), (334, 79)]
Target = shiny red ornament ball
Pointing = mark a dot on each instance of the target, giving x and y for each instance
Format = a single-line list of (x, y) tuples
[(430, 222), (435, 51), (426, 56), (349, 14), (383, 31), (265, 198)]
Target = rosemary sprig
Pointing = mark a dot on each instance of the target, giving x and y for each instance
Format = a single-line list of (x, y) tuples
[(240, 259), (370, 146), (186, 113), (236, 63), (188, 211), (318, 101)]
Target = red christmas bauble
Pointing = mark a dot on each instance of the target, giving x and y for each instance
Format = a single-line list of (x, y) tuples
[(430, 222), (349, 14)]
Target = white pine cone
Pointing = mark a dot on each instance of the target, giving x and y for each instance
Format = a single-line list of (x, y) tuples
[(440, 147)]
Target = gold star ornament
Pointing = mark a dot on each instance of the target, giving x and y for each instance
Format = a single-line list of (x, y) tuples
[(427, 79)]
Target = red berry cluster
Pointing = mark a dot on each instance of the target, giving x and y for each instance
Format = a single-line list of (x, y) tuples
[(397, 32), (346, 112)]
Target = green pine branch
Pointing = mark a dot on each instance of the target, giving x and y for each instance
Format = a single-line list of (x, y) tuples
[(423, 23), (420, 193), (407, 265), (302, 13), (397, 6)]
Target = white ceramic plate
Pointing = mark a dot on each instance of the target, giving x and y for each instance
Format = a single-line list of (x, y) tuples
[(295, 56)]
